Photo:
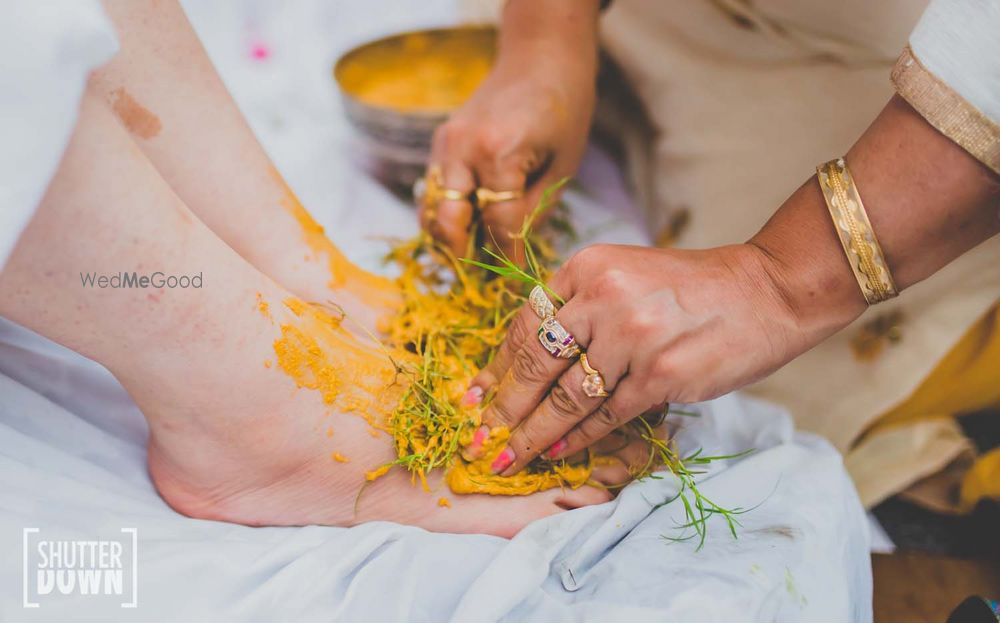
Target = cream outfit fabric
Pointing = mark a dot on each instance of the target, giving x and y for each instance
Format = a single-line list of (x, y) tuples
[(959, 42), (747, 97), (47, 50)]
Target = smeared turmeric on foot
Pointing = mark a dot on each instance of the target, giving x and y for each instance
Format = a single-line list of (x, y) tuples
[(451, 321), (477, 477), (373, 290)]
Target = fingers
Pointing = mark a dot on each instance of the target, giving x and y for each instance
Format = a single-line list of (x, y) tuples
[(504, 218), (526, 382), (490, 160), (625, 403), (454, 217), (449, 220), (627, 456), (563, 408), (523, 327)]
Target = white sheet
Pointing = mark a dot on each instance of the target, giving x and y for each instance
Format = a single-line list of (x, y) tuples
[(46, 50), (72, 459), (802, 553)]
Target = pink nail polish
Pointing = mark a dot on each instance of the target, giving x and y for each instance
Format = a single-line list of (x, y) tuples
[(503, 461), (557, 447), (481, 434), (471, 451), (472, 397)]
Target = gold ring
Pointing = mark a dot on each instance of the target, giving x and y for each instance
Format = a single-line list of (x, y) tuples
[(429, 190), (485, 196), (593, 383)]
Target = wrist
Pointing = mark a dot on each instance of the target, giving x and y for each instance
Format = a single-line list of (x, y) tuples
[(554, 36), (799, 251)]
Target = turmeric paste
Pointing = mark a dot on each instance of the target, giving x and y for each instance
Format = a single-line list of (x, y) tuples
[(429, 71), (373, 290), (476, 476), (451, 321), (311, 350)]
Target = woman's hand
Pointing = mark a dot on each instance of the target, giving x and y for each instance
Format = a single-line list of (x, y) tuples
[(660, 325), (682, 326), (524, 128)]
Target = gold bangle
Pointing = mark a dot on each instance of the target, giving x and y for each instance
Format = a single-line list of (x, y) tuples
[(855, 231)]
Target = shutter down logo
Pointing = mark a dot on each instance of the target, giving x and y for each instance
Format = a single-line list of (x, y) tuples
[(99, 568)]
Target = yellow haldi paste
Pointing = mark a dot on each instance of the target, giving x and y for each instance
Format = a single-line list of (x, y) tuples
[(477, 477)]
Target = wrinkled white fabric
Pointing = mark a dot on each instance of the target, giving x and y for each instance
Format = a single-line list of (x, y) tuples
[(72, 463), (72, 455), (47, 50)]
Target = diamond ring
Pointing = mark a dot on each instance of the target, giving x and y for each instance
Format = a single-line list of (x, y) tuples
[(540, 303), (556, 339)]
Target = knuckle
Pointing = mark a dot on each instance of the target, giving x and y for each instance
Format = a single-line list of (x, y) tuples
[(611, 283), (604, 418), (588, 256), (566, 403), (451, 137), (500, 413), (493, 140), (664, 368), (528, 368), (641, 322), (518, 331)]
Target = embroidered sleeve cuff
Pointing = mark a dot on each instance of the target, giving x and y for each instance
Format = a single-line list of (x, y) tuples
[(946, 110)]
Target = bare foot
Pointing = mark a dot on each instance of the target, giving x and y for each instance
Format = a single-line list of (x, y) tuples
[(274, 453)]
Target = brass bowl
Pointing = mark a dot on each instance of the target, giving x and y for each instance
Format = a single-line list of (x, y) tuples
[(397, 90)]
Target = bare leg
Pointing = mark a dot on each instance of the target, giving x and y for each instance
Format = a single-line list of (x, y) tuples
[(231, 435), (165, 90)]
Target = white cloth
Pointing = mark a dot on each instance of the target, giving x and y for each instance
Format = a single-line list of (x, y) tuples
[(72, 444), (47, 49), (959, 42), (72, 463)]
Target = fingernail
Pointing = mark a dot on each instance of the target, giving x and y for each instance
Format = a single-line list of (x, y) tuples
[(503, 461), (471, 451), (481, 434), (472, 397), (557, 447)]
